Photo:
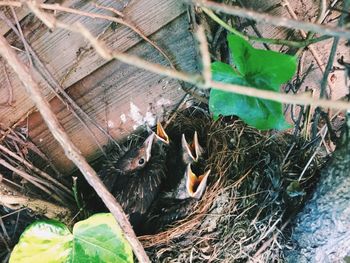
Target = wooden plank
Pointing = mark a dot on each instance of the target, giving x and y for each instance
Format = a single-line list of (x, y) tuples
[(111, 94), (59, 49), (20, 12)]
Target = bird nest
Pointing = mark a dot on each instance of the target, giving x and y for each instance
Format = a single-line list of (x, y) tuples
[(255, 188)]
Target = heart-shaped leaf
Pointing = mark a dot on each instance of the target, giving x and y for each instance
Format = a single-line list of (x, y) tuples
[(257, 68), (100, 239), (270, 66), (96, 239), (43, 241)]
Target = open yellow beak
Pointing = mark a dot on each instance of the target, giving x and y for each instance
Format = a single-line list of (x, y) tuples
[(195, 185), (161, 134), (191, 151)]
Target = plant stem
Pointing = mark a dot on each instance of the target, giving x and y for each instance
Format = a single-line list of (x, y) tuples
[(273, 20), (75, 192), (297, 44)]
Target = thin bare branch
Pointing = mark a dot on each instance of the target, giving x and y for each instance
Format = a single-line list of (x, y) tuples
[(38, 171), (9, 86), (59, 91), (31, 179), (13, 199), (203, 47), (122, 20), (21, 36), (291, 43), (71, 151), (304, 35), (330, 62), (11, 3), (273, 20), (197, 80)]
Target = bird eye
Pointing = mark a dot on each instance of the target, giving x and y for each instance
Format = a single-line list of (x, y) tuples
[(141, 161)]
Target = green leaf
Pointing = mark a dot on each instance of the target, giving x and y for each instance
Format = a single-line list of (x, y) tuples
[(261, 114), (257, 68), (96, 239), (100, 239), (43, 241), (261, 65)]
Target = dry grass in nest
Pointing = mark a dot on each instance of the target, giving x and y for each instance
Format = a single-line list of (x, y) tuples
[(241, 215)]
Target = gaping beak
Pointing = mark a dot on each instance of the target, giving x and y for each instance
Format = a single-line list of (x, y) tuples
[(161, 134), (195, 185), (148, 145), (192, 151)]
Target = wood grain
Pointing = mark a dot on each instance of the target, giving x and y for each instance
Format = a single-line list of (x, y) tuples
[(108, 93), (60, 50)]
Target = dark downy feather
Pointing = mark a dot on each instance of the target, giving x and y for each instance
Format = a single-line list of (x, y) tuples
[(135, 187)]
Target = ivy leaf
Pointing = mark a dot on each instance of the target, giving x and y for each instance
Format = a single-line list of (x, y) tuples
[(43, 241), (257, 64), (257, 68), (96, 239), (100, 239)]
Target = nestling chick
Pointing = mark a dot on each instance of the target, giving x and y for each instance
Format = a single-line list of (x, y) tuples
[(180, 202), (135, 178), (191, 152)]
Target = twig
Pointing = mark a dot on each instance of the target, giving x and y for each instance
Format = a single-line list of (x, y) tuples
[(9, 85), (58, 90), (321, 11), (253, 25), (194, 79), (14, 212), (4, 230), (333, 51), (21, 36), (38, 171), (267, 243), (304, 35), (5, 242), (12, 199), (277, 21), (70, 149), (298, 44), (329, 66), (203, 47), (25, 143), (122, 21), (11, 3), (31, 179), (314, 154), (117, 12), (197, 80)]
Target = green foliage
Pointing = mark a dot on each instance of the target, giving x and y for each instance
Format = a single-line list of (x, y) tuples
[(257, 68), (96, 239)]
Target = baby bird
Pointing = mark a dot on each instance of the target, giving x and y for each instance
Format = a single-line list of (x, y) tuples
[(191, 185), (180, 202), (191, 152), (135, 178)]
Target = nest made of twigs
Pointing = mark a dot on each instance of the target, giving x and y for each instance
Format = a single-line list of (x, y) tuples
[(248, 199)]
